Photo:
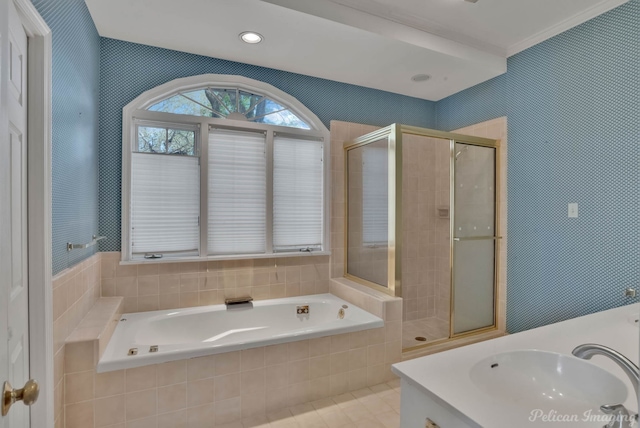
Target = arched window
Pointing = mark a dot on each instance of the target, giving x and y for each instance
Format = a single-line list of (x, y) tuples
[(222, 167), (230, 103)]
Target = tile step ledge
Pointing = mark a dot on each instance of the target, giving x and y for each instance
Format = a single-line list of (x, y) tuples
[(98, 325), (372, 301), (375, 294)]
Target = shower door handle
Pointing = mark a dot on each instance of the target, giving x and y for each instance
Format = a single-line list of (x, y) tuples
[(477, 238)]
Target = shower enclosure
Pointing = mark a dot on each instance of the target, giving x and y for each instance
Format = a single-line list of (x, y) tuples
[(422, 220)]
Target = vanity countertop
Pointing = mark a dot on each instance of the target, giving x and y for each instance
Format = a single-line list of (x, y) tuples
[(445, 378)]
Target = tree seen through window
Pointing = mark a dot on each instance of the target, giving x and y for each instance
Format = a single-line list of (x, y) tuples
[(230, 103)]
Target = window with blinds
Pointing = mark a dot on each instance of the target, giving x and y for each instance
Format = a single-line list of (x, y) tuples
[(245, 192), (297, 194), (165, 204), (375, 196), (237, 193)]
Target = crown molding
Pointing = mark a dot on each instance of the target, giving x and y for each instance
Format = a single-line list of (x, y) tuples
[(565, 25)]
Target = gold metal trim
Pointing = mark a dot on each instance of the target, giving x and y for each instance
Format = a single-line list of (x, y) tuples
[(452, 230), (394, 146), (449, 339), (460, 138), (370, 137), (478, 238), (395, 210), (496, 238)]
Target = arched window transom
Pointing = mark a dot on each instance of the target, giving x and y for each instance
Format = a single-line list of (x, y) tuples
[(230, 103)]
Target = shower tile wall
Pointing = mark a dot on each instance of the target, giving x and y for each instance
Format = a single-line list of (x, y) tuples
[(425, 246)]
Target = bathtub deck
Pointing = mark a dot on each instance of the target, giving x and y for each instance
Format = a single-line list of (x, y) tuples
[(375, 407)]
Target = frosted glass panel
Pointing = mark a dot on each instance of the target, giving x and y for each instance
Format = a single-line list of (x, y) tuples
[(473, 284), (475, 191), (368, 198), (474, 238)]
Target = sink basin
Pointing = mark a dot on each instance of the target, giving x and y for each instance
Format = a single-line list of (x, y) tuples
[(526, 380)]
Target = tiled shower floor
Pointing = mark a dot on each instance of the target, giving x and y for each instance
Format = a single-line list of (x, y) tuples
[(375, 407), (430, 328)]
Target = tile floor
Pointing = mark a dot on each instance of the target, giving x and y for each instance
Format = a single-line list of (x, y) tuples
[(375, 407), (430, 328)]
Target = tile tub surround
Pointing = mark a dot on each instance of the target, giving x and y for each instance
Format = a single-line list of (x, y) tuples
[(155, 286), (75, 291), (226, 388)]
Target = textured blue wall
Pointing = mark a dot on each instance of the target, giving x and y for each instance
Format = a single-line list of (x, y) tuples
[(572, 104), (76, 61), (128, 69), (479, 103)]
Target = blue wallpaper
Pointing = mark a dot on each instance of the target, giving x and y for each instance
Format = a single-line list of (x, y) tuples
[(76, 58), (574, 135), (479, 103), (128, 69)]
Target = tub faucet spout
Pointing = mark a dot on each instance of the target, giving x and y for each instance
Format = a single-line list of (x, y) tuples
[(231, 301)]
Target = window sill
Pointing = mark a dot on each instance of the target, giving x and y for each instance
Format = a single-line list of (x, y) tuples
[(222, 258)]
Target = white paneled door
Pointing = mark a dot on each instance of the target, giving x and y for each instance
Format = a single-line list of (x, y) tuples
[(14, 328)]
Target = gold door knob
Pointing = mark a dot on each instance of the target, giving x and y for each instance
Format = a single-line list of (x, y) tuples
[(28, 395)]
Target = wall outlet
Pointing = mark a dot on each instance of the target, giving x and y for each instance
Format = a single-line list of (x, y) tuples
[(573, 210)]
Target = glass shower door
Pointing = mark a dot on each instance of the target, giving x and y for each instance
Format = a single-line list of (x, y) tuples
[(474, 238), (368, 212)]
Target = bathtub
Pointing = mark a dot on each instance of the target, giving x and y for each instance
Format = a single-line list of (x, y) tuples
[(146, 338)]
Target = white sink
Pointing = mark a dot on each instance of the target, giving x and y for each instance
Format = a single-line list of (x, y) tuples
[(527, 380)]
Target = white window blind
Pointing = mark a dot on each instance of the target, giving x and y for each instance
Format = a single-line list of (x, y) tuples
[(297, 194), (375, 199), (237, 193), (165, 204)]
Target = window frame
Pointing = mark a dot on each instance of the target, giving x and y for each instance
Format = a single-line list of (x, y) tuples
[(135, 113)]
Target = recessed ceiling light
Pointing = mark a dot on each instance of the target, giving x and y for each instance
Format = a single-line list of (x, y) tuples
[(421, 78), (251, 37), (472, 1)]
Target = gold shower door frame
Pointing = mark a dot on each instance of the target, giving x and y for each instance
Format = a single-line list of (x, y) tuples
[(393, 134)]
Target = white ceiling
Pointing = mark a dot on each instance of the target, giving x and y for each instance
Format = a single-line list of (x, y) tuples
[(504, 27), (373, 43)]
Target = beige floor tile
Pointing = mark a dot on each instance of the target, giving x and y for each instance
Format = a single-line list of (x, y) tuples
[(375, 407)]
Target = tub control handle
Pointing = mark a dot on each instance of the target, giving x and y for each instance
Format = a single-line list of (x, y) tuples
[(302, 309)]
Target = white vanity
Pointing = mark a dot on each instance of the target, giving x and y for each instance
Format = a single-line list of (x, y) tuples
[(525, 379)]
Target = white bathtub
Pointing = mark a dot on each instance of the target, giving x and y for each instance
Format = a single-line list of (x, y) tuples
[(200, 331)]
